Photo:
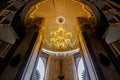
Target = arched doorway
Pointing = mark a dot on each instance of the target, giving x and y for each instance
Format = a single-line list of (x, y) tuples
[(61, 30)]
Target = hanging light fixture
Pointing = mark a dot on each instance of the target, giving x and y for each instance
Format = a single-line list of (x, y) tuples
[(60, 37)]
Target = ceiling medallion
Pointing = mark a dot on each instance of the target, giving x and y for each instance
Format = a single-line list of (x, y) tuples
[(60, 20)]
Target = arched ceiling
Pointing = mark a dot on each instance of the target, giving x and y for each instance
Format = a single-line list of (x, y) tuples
[(52, 9)]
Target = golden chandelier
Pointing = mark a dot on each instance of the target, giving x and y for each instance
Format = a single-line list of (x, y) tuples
[(60, 37)]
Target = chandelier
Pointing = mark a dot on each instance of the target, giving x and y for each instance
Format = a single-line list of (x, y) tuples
[(60, 37)]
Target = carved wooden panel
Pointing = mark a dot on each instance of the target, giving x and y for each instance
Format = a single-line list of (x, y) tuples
[(69, 68), (64, 68), (53, 68)]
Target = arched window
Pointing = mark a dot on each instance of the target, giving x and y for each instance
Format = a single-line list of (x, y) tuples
[(82, 71), (39, 71)]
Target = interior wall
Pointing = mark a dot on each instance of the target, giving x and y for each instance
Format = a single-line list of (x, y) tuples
[(7, 35)]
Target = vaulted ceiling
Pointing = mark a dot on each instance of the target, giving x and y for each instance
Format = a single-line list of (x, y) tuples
[(52, 9)]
